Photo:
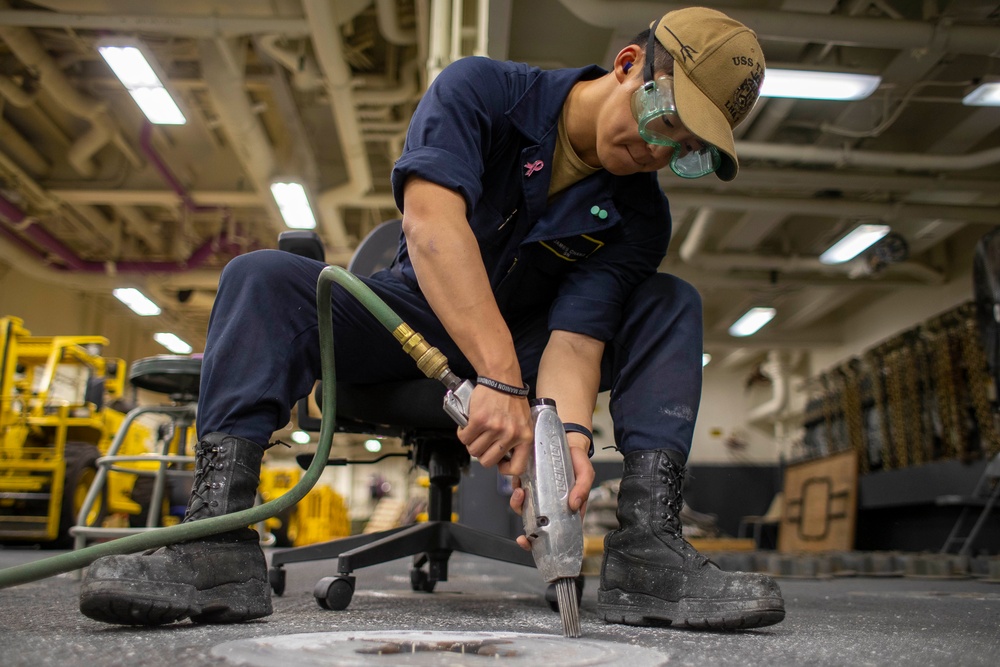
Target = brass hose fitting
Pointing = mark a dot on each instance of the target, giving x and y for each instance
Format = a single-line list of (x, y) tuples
[(430, 360)]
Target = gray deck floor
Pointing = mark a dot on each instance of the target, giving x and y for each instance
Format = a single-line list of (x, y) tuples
[(843, 621)]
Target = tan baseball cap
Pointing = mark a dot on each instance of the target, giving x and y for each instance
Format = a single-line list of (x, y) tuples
[(718, 71)]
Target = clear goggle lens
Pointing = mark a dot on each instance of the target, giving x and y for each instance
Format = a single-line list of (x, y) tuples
[(654, 109)]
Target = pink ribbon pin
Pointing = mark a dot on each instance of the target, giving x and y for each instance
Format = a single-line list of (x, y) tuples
[(532, 167)]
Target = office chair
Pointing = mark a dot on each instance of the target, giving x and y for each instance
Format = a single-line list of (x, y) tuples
[(410, 410)]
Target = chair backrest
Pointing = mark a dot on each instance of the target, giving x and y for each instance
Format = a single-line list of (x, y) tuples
[(377, 250), (303, 242)]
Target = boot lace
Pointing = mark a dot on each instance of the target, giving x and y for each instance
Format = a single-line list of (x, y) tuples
[(672, 499), (672, 475), (205, 459)]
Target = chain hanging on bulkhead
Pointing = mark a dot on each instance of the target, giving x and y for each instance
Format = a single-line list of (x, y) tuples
[(925, 394), (895, 383), (979, 382), (873, 359), (914, 435), (828, 401), (852, 408), (951, 424)]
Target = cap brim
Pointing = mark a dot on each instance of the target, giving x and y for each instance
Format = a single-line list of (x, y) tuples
[(700, 115)]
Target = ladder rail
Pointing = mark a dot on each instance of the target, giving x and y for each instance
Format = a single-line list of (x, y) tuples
[(989, 498)]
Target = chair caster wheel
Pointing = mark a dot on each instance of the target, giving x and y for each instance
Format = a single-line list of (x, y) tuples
[(552, 599), (276, 577), (334, 593), (420, 581)]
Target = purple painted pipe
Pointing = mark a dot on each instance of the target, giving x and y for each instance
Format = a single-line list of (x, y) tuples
[(13, 216), (146, 143)]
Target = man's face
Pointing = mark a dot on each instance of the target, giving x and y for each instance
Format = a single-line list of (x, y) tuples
[(620, 147)]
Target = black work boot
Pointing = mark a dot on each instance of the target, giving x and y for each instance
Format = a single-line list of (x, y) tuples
[(652, 576), (216, 579)]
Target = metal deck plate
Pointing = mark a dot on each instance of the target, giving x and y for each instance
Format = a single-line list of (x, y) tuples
[(408, 647)]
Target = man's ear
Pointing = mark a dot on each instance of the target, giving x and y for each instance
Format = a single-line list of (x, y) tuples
[(627, 58)]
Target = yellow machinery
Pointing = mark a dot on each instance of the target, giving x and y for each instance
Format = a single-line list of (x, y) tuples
[(54, 423), (320, 516)]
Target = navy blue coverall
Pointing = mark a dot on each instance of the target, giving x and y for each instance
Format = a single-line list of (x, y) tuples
[(583, 261)]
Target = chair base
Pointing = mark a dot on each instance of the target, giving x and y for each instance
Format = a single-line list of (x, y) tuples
[(430, 543)]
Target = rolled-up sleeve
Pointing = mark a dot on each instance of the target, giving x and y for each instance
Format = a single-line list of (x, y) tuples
[(451, 129)]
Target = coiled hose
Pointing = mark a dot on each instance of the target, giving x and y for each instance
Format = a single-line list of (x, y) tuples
[(429, 359)]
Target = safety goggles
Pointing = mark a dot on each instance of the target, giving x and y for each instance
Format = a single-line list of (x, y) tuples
[(655, 111)]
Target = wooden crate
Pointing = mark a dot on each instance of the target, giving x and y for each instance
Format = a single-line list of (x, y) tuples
[(821, 498)]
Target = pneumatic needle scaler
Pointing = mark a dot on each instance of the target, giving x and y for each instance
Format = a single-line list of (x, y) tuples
[(554, 531)]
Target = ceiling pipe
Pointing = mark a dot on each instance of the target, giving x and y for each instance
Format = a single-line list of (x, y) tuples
[(106, 236), (302, 65), (762, 179), (25, 258), (387, 13), (764, 279), (847, 157), (247, 137), (407, 90), (833, 207), (789, 26), (777, 368), (102, 128), (439, 43), (21, 150), (16, 222), (692, 252), (235, 199), (139, 227), (324, 23), (207, 26), (457, 24), (16, 94), (222, 7), (482, 47), (161, 167)]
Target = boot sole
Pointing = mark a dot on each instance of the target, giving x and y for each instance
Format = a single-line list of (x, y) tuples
[(131, 603), (616, 606)]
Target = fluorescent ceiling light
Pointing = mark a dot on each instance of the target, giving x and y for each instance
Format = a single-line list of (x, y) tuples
[(136, 300), (705, 358), (806, 85), (294, 205), (856, 242), (138, 76), (752, 321), (172, 343), (986, 94), (373, 446), (301, 437)]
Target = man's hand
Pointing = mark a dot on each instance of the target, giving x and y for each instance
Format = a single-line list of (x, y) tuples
[(583, 470), (498, 424)]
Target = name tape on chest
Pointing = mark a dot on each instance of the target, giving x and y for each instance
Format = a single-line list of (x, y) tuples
[(574, 248)]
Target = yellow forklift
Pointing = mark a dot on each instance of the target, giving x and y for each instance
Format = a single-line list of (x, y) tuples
[(58, 399)]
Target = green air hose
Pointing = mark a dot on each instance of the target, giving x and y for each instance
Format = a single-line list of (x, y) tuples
[(429, 360)]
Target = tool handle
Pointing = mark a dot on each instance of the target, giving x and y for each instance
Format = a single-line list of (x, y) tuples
[(456, 402)]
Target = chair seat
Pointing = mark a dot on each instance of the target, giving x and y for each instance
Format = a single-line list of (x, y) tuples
[(409, 404), (174, 375)]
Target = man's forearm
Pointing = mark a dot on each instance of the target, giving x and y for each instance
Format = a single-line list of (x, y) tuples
[(451, 274), (570, 374)]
